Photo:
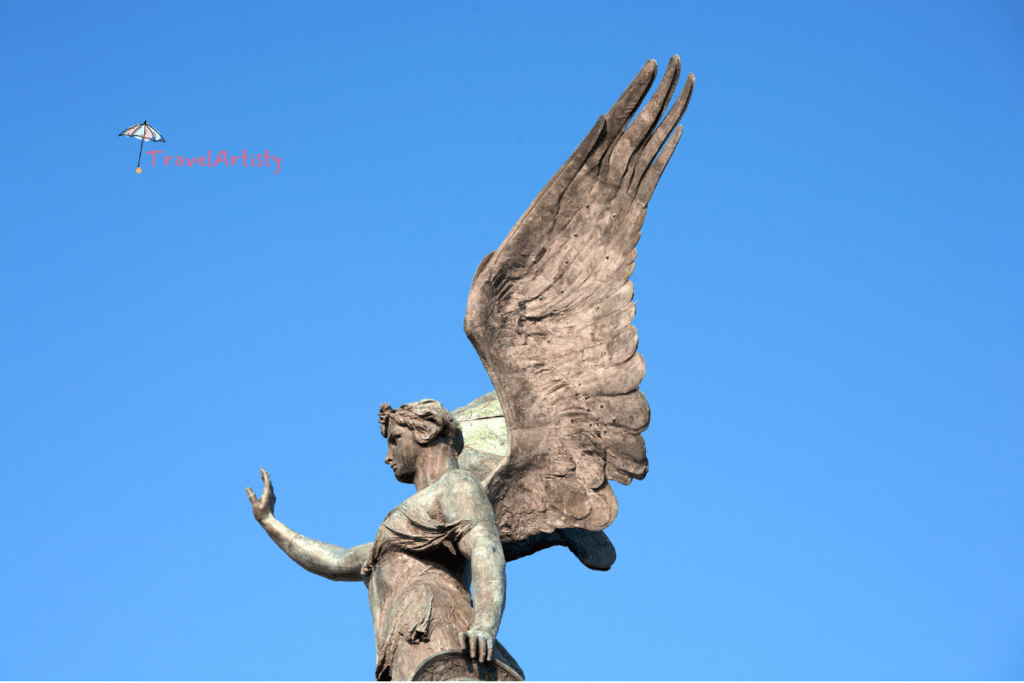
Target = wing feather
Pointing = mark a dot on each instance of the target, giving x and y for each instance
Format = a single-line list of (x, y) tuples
[(550, 313)]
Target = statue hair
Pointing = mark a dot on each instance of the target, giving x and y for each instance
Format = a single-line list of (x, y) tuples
[(418, 417)]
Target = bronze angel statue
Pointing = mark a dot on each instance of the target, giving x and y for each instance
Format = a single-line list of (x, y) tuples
[(550, 314)]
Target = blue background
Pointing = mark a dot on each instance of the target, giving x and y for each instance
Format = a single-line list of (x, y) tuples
[(829, 294)]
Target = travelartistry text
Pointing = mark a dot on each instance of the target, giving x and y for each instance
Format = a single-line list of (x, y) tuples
[(259, 160)]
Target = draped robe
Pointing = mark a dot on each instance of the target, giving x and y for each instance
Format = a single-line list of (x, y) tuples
[(419, 583)]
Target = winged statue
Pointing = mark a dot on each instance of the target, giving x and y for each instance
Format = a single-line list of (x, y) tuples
[(529, 465)]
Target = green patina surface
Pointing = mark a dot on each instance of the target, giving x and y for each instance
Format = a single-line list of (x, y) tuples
[(483, 425)]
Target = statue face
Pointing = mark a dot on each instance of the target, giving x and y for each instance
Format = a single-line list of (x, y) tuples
[(403, 453)]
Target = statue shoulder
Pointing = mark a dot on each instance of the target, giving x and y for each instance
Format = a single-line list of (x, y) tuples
[(462, 482), (463, 496)]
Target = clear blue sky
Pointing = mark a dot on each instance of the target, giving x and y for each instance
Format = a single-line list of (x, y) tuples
[(829, 294)]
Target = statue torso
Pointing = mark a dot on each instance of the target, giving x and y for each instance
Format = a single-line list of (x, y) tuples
[(418, 582)]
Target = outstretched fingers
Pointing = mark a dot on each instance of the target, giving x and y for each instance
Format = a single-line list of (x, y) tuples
[(262, 507)]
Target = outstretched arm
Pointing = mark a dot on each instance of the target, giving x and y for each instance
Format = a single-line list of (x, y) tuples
[(329, 561)]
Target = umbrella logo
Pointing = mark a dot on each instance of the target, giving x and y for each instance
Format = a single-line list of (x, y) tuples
[(144, 132)]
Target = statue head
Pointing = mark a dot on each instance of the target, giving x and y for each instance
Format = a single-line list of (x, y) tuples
[(428, 425), (427, 419)]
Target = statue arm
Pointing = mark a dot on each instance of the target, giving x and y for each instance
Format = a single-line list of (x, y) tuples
[(482, 547), (329, 561)]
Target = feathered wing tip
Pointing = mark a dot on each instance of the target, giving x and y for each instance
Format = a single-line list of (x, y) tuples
[(550, 314)]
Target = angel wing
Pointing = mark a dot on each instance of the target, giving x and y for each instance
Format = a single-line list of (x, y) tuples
[(549, 314)]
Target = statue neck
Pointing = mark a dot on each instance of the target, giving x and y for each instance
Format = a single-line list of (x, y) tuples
[(434, 464)]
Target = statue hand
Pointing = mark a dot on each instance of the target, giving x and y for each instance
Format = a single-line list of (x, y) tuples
[(479, 643), (263, 507)]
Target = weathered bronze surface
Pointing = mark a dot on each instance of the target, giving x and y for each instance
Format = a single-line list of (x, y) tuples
[(456, 665), (527, 466)]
